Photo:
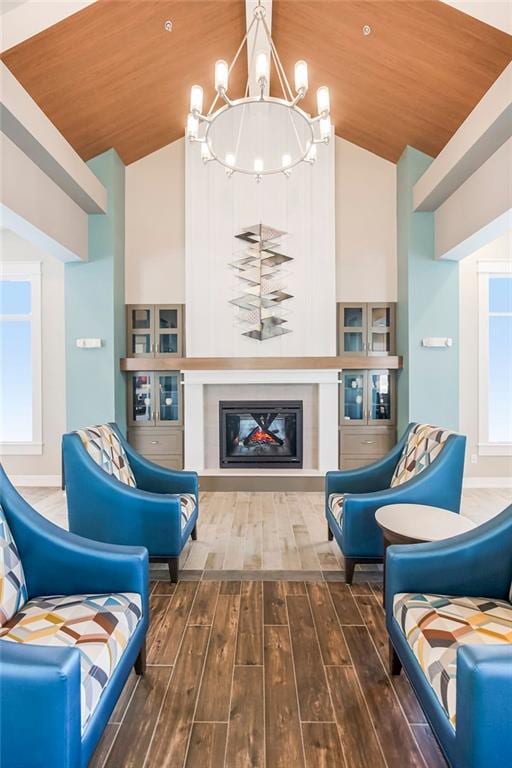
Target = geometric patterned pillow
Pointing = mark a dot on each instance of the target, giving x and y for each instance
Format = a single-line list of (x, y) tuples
[(104, 446), (99, 626), (424, 444), (188, 505), (13, 590), (335, 503)]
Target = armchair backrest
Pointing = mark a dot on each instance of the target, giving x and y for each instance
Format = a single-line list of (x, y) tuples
[(105, 448), (423, 445), (13, 589)]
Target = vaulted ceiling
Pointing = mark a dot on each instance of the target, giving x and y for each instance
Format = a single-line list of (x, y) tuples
[(111, 76)]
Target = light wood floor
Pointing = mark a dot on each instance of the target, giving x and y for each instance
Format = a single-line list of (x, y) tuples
[(275, 674), (265, 531)]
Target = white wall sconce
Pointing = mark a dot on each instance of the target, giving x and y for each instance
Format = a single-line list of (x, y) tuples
[(437, 341), (89, 343)]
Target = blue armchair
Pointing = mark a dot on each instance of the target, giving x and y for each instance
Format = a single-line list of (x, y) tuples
[(425, 467), (449, 619), (59, 684), (116, 495)]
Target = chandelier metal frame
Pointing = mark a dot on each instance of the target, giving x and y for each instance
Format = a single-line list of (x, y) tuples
[(199, 125)]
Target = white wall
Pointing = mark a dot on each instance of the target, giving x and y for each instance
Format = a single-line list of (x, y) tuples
[(155, 227), (486, 466), (365, 225), (365, 212), (13, 248)]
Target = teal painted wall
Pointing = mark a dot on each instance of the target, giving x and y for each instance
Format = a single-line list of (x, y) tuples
[(94, 301), (428, 305)]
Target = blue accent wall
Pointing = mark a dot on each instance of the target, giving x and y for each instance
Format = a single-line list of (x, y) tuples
[(95, 308), (428, 305)]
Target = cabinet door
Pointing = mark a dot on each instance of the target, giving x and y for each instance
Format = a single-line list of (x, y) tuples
[(168, 404), (352, 331), (140, 330), (141, 407), (353, 397), (381, 329), (168, 330), (381, 397)]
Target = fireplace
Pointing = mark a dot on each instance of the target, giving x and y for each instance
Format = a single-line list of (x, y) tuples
[(260, 433)]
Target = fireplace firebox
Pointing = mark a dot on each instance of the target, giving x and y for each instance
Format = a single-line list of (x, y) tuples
[(260, 433)]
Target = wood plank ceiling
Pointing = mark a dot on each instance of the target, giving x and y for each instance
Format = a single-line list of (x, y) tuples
[(111, 76)]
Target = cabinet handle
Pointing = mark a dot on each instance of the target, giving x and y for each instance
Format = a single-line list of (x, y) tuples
[(152, 346), (156, 347), (367, 442), (155, 442)]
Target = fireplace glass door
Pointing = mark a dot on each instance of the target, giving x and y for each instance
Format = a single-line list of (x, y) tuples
[(260, 434)]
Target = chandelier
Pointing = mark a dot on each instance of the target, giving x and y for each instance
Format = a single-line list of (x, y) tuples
[(224, 132)]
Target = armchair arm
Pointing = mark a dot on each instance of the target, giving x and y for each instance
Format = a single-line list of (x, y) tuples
[(57, 561), (484, 705), (40, 721), (476, 563), (372, 477), (156, 479)]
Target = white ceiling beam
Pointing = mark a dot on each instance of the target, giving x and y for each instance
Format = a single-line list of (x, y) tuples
[(257, 43), (34, 16)]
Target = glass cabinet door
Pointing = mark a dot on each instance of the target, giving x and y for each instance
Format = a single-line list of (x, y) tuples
[(140, 331), (169, 397), (353, 397), (380, 329), (168, 331), (141, 406), (352, 329), (380, 397)]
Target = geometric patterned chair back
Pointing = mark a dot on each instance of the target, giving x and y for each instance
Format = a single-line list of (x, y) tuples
[(13, 590), (103, 445), (423, 446)]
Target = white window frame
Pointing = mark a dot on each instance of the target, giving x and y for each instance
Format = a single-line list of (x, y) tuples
[(486, 269), (28, 271)]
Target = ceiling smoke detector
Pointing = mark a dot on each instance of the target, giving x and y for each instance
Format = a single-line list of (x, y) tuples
[(367, 30)]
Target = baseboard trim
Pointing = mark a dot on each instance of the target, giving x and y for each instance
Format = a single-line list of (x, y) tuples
[(487, 482), (39, 481)]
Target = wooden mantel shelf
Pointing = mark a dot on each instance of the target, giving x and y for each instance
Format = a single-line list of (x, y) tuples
[(258, 363)]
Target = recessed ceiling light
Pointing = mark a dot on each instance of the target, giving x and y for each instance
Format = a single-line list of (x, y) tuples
[(367, 30), (168, 25)]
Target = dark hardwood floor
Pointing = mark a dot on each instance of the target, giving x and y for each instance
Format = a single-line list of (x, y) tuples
[(274, 674)]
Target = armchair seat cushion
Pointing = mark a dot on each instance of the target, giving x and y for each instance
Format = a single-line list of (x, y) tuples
[(100, 626), (335, 502), (436, 625), (188, 504)]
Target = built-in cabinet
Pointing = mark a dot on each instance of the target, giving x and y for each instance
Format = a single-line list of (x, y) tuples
[(154, 330), (366, 328), (155, 416)]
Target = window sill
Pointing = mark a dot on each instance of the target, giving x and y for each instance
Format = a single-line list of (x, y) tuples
[(21, 449), (495, 449)]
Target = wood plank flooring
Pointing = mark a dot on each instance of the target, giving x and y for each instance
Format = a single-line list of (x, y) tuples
[(242, 531), (252, 674)]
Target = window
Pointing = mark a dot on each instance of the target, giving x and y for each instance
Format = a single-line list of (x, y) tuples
[(495, 359), (20, 358)]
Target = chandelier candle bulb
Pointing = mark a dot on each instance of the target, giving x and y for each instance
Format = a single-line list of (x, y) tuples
[(325, 128), (192, 127), (301, 76), (261, 68), (286, 160), (205, 152), (196, 99), (258, 165), (230, 159), (323, 100), (221, 75), (311, 155)]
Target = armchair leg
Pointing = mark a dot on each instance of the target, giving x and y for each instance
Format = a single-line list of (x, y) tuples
[(193, 535), (350, 565), (395, 665), (330, 534), (140, 661), (174, 564)]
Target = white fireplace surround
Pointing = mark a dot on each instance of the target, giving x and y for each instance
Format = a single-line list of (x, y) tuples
[(324, 455)]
